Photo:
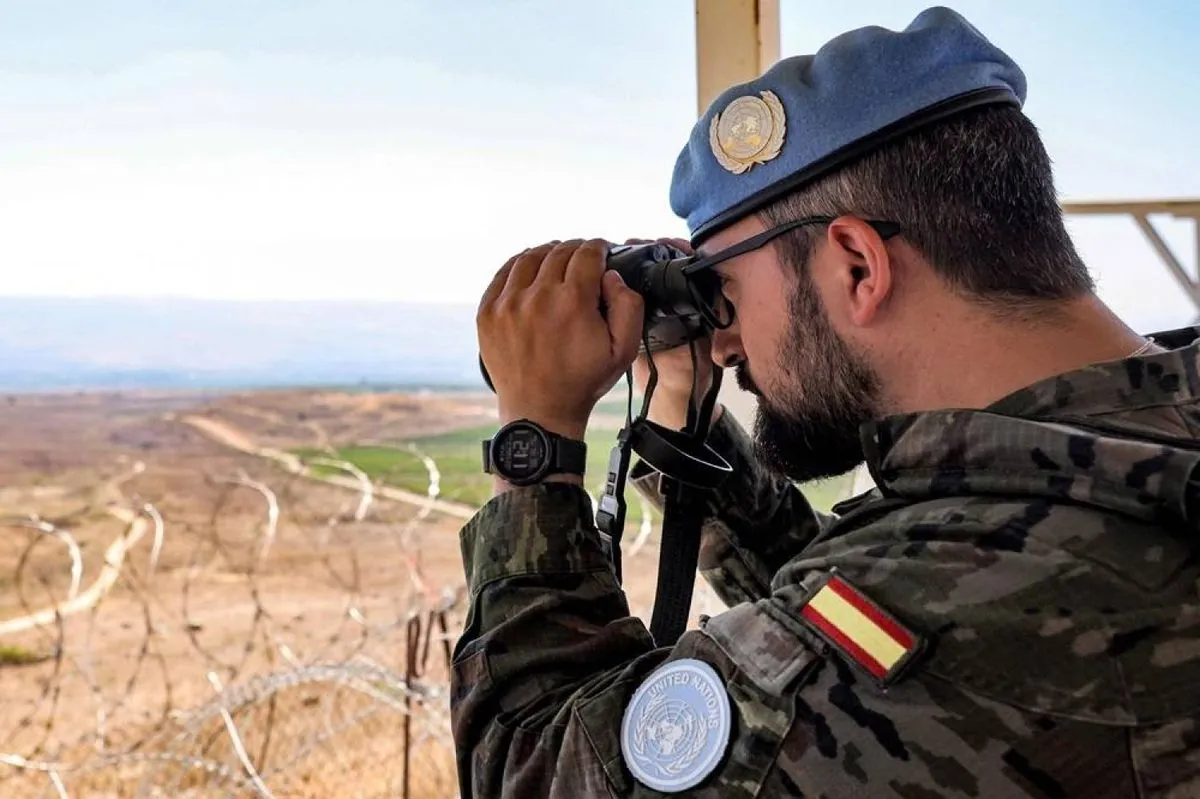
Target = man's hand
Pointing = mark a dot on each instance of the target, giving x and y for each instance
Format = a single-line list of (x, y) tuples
[(674, 387), (549, 350), (676, 382)]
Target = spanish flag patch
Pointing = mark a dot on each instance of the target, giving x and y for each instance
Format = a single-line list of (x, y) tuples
[(863, 631)]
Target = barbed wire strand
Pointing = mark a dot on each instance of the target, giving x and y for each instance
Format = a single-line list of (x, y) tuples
[(285, 673)]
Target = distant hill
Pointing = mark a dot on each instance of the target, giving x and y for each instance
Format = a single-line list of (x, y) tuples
[(172, 343)]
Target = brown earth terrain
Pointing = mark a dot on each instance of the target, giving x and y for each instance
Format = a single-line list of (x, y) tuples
[(187, 610)]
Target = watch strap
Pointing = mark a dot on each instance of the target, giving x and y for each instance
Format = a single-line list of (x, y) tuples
[(488, 466), (569, 456)]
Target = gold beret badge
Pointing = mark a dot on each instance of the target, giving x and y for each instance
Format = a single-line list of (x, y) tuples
[(749, 132)]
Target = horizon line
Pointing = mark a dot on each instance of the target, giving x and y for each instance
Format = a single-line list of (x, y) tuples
[(210, 299)]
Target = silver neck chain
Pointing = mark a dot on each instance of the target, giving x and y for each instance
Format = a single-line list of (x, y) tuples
[(1147, 345)]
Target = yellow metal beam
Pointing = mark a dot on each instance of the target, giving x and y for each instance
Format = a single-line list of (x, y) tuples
[(1177, 207), (1140, 210), (736, 41)]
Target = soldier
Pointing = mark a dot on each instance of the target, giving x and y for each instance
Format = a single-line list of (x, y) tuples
[(1012, 611)]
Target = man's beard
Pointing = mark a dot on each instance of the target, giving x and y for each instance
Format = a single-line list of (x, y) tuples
[(808, 428)]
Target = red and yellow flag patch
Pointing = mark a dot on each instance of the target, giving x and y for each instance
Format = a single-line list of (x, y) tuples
[(861, 629)]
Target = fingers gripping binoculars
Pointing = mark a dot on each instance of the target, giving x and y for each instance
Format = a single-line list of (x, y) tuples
[(679, 307)]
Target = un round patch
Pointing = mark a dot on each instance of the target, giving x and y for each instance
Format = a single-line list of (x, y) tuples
[(676, 727)]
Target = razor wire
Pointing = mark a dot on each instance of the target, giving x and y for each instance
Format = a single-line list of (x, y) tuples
[(232, 677), (238, 742)]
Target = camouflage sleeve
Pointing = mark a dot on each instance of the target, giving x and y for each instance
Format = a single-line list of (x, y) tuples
[(548, 626), (556, 691), (754, 522)]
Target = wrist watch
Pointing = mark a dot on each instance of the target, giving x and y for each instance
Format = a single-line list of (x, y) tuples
[(524, 452)]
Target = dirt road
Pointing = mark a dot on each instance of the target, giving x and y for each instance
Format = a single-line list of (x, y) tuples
[(226, 434), (114, 556)]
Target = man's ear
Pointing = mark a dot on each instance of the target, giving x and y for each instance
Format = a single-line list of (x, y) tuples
[(864, 268)]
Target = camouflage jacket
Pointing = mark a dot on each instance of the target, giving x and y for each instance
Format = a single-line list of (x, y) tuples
[(1023, 588)]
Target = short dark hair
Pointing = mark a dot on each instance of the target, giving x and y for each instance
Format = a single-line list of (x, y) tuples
[(975, 194)]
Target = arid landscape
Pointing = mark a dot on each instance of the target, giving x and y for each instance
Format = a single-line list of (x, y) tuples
[(243, 594)]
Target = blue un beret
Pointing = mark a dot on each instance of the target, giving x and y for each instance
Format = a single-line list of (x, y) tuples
[(810, 114)]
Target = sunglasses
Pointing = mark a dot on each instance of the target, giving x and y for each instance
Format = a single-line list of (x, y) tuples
[(705, 284)]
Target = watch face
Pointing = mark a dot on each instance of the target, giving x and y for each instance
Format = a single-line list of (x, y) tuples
[(521, 453)]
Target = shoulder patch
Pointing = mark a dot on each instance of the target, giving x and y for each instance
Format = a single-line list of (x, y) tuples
[(860, 629), (676, 728)]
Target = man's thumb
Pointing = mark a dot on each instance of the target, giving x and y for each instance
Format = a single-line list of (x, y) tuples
[(625, 309)]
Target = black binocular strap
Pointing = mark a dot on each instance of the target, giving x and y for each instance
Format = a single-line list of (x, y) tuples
[(683, 513), (680, 553)]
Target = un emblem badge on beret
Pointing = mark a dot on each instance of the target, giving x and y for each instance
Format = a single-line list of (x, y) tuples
[(676, 728), (749, 131)]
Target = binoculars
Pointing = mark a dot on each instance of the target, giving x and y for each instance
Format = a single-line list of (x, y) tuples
[(679, 306)]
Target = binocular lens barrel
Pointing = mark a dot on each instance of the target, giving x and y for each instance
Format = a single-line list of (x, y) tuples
[(656, 272)]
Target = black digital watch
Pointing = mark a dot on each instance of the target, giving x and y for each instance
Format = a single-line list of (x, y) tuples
[(523, 452)]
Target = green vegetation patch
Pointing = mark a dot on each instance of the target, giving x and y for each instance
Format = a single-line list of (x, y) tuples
[(11, 655), (458, 456), (461, 479)]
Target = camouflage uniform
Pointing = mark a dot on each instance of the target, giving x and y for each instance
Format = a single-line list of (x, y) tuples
[(1044, 548)]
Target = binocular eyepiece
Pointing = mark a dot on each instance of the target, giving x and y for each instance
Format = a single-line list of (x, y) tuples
[(674, 315), (679, 307)]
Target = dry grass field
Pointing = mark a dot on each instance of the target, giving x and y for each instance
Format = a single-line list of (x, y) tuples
[(241, 594)]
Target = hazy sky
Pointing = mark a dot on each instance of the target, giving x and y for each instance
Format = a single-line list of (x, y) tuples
[(391, 149)]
